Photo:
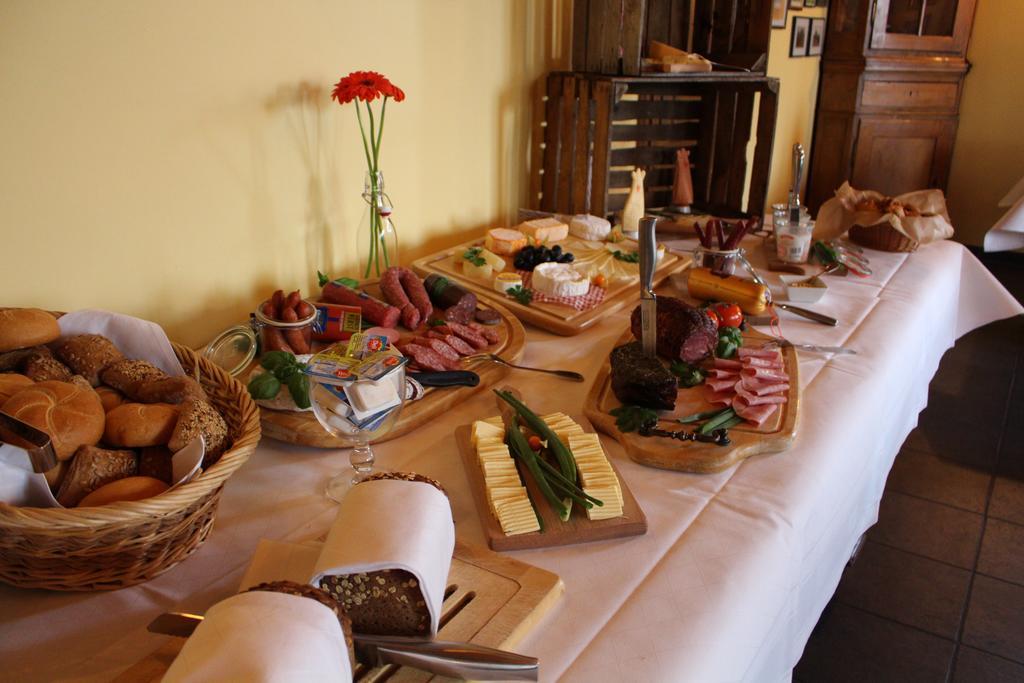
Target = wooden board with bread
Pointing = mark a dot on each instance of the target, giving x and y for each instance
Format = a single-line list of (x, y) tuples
[(561, 274), (711, 397), (451, 330)]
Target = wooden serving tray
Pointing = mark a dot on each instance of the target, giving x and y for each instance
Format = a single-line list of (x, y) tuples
[(578, 529), (490, 600), (552, 317), (687, 456), (303, 429)]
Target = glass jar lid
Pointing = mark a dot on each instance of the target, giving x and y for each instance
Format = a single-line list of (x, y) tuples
[(233, 349)]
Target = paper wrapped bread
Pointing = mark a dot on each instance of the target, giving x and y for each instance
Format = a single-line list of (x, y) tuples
[(920, 216)]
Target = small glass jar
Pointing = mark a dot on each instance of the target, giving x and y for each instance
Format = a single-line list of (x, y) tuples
[(793, 240), (720, 261), (277, 335)]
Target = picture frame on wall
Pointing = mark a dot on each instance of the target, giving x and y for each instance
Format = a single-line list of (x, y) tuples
[(780, 9), (796, 4), (816, 39), (810, 3), (801, 37)]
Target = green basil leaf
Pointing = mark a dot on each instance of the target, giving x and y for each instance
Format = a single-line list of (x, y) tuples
[(689, 376), (298, 387), (629, 418), (264, 387), (286, 372), (272, 360)]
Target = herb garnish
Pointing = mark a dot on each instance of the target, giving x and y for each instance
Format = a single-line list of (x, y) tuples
[(345, 281), (729, 339), (281, 368), (689, 375), (473, 256), (630, 418), (520, 294), (630, 257)]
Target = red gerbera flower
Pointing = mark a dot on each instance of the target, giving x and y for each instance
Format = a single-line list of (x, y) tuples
[(366, 86)]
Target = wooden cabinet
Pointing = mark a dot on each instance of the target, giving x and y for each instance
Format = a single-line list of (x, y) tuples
[(889, 95)]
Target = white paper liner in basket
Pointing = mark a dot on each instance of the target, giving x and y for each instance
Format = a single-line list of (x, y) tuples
[(393, 524), (265, 636)]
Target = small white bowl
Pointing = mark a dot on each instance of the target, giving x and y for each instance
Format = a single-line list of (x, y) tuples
[(803, 294)]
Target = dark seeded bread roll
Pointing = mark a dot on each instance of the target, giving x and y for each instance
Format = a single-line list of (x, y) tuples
[(386, 602), (155, 461), (127, 375), (92, 468), (169, 390), (199, 417), (40, 368), (87, 355), (405, 476), (312, 593)]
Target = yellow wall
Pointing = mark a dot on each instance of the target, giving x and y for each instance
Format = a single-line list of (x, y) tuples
[(798, 78), (988, 158), (157, 162)]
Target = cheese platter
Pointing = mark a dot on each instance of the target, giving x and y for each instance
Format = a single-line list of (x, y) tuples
[(506, 338), (496, 478), (558, 280), (773, 435)]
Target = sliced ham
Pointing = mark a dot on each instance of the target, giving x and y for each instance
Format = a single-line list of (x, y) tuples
[(755, 400), (757, 352), (717, 373), (757, 414), (726, 364), (721, 384), (765, 374), (719, 397), (760, 388), (756, 362)]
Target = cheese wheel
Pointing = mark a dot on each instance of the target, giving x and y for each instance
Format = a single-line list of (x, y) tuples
[(544, 230), (504, 241), (559, 279)]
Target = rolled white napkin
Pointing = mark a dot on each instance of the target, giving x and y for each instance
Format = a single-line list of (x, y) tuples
[(392, 524), (263, 636)]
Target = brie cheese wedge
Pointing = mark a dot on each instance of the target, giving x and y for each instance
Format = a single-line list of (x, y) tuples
[(559, 279)]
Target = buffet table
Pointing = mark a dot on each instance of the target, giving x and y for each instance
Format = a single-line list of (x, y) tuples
[(736, 567)]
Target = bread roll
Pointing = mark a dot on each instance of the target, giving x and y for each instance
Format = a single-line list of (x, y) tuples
[(157, 462), (92, 468), (169, 390), (55, 476), (199, 417), (88, 355), (24, 327), (71, 415), (110, 397), (127, 375), (40, 368), (134, 425), (12, 383), (129, 488)]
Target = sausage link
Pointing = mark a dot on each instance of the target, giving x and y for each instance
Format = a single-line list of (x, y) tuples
[(293, 336)]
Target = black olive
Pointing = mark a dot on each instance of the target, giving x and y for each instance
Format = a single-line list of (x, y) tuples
[(556, 250), (568, 258)]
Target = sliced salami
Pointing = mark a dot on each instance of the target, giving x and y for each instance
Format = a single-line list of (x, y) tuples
[(468, 333), (487, 333), (440, 348), (451, 340), (487, 316), (426, 358)]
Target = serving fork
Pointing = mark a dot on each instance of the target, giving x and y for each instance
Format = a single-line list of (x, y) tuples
[(567, 374)]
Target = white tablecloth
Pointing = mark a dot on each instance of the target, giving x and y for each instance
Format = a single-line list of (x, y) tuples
[(735, 568)]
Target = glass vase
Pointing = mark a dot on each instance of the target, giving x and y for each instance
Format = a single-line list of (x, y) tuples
[(377, 240)]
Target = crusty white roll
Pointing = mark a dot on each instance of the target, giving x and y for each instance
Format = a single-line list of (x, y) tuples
[(71, 414), (24, 327), (11, 383), (129, 488), (135, 425)]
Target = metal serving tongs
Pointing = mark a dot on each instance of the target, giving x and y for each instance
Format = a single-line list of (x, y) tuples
[(456, 660), (40, 448)]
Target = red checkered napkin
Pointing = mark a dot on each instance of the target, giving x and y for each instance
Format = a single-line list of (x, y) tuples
[(590, 300)]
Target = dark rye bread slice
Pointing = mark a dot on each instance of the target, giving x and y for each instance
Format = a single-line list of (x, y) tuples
[(312, 593), (388, 602)]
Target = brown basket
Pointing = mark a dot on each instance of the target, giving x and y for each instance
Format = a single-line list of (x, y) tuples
[(127, 543), (883, 237)]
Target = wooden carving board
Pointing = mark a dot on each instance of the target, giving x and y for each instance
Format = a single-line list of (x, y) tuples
[(303, 428), (578, 529), (490, 600), (775, 435), (556, 318)]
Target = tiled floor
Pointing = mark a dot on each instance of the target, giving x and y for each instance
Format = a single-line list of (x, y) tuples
[(937, 592)]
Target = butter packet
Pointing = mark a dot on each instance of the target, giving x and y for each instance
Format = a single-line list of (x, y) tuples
[(361, 345), (380, 365)]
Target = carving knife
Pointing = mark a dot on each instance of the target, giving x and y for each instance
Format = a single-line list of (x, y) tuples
[(456, 660), (648, 302)]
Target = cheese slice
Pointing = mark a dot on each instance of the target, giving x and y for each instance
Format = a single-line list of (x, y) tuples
[(559, 279), (589, 227), (486, 429), (495, 421), (504, 241), (544, 230)]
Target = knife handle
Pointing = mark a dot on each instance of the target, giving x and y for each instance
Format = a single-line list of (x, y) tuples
[(460, 660), (810, 315), (450, 378)]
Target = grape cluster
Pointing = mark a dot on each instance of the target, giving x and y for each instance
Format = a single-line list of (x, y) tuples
[(529, 258)]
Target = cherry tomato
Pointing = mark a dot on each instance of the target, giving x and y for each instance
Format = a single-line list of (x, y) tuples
[(729, 315), (714, 316), (535, 442)]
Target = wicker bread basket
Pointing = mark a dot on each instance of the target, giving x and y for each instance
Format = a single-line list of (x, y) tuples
[(126, 543), (883, 237)]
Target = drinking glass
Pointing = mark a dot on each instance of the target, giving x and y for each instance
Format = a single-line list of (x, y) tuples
[(357, 439)]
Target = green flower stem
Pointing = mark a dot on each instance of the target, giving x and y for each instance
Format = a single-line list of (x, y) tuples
[(371, 148)]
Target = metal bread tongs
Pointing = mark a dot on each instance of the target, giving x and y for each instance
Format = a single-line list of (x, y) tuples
[(456, 660), (648, 302), (35, 442)]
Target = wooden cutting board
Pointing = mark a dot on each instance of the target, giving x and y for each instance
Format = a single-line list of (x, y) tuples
[(578, 529), (775, 435), (552, 317), (303, 428), (490, 600)]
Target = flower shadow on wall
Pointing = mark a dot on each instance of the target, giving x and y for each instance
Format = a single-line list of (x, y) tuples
[(304, 108)]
